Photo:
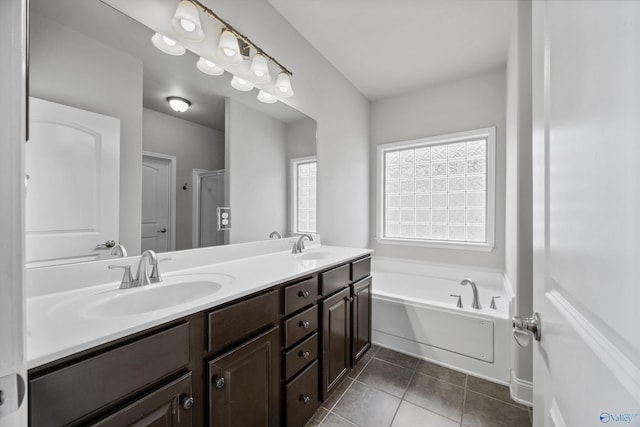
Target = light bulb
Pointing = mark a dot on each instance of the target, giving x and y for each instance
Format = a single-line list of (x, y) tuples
[(228, 49), (259, 70), (186, 22), (241, 84), (266, 97), (209, 67), (283, 85), (167, 45)]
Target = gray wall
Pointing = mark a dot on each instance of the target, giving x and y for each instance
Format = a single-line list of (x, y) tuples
[(256, 173), (472, 103), (342, 114), (195, 147), (519, 210), (72, 69)]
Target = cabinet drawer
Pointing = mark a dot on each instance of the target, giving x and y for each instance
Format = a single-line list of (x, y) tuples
[(360, 269), (300, 295), (302, 397), (301, 355), (334, 280), (64, 395), (233, 324), (300, 325)]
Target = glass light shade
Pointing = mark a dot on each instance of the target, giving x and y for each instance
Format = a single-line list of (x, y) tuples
[(209, 67), (259, 69), (241, 84), (167, 45), (186, 22), (283, 85), (177, 104), (266, 97), (228, 49)]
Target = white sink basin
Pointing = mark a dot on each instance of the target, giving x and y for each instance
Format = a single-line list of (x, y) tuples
[(173, 291), (157, 296), (314, 255)]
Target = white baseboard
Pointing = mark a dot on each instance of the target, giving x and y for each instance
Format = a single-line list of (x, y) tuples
[(521, 391)]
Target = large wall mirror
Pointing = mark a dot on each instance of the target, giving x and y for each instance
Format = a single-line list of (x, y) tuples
[(109, 162)]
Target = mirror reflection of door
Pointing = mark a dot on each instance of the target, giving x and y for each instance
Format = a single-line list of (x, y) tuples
[(72, 204), (208, 197), (158, 202)]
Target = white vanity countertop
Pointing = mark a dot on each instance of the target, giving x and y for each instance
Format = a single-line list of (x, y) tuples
[(60, 324)]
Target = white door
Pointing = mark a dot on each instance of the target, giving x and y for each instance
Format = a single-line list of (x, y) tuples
[(157, 203), (210, 196), (13, 409), (72, 202), (586, 91)]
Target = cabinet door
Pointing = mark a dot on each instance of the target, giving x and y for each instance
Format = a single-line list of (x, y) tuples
[(361, 309), (167, 406), (336, 339), (244, 384)]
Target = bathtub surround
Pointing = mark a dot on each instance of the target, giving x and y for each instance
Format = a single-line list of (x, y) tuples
[(518, 215), (472, 103)]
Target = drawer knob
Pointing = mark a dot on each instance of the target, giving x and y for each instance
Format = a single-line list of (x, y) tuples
[(218, 382), (305, 324), (187, 402), (304, 294), (306, 399), (304, 354)]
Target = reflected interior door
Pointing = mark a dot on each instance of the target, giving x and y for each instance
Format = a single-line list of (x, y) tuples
[(72, 159), (586, 227), (211, 197), (157, 186)]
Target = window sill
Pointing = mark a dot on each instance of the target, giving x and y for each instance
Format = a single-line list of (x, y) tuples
[(463, 246)]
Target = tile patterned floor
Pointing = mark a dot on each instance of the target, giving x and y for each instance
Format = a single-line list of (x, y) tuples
[(390, 389)]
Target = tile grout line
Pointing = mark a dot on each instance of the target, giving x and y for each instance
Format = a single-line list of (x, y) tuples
[(525, 408), (464, 398), (413, 373)]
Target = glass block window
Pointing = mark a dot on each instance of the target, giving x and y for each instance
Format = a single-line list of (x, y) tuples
[(438, 189), (304, 195)]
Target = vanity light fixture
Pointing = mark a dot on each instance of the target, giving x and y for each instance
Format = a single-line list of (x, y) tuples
[(167, 45), (186, 22), (209, 67), (177, 104), (266, 97), (232, 49), (241, 84)]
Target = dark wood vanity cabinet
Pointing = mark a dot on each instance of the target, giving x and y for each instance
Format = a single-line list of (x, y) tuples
[(336, 339), (244, 384), (361, 319), (264, 360)]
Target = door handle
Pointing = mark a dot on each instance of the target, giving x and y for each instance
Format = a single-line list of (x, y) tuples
[(526, 325), (162, 230), (107, 244)]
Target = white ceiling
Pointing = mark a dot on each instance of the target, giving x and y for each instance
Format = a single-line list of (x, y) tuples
[(389, 47)]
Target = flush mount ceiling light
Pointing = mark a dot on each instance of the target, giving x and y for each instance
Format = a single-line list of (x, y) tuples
[(167, 45), (186, 22), (177, 104), (231, 52)]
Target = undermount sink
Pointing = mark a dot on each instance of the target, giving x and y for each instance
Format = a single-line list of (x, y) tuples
[(314, 255), (157, 296)]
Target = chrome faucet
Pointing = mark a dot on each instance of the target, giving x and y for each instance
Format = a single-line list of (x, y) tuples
[(298, 246), (119, 251), (142, 277), (476, 301), (275, 235)]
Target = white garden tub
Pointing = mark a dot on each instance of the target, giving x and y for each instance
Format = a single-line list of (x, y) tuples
[(414, 313)]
